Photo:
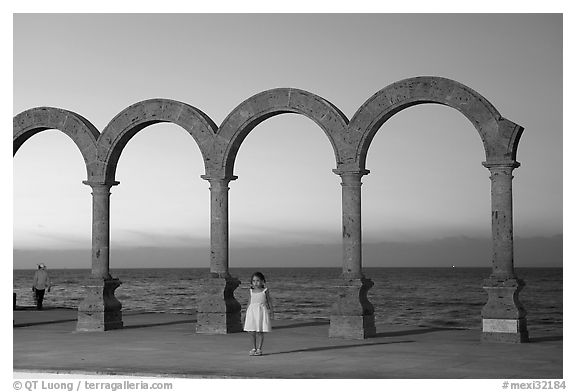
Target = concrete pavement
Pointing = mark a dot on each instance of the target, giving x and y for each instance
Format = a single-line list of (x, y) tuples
[(154, 344)]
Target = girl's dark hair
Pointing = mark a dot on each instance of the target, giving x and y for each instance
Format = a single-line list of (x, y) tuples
[(259, 275)]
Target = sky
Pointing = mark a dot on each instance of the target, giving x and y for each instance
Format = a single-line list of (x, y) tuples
[(426, 183)]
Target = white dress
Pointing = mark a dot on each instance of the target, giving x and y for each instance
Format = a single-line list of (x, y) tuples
[(257, 314)]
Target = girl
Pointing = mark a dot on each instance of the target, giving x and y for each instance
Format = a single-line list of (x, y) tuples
[(259, 312)]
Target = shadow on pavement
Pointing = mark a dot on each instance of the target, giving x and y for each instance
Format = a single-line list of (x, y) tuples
[(547, 339), (307, 350), (307, 324), (21, 325), (413, 332), (46, 314), (44, 308), (159, 324)]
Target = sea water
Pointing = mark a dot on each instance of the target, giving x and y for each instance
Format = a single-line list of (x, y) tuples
[(435, 297)]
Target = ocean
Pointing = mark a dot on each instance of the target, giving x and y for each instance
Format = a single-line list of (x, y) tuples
[(433, 297)]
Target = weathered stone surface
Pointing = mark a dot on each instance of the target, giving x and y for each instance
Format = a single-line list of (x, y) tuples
[(501, 325), (352, 297), (350, 141), (80, 130), (400, 95), (503, 301), (502, 218), (142, 114), (264, 105), (352, 327), (101, 229), (100, 310), (219, 225), (503, 287), (352, 314), (352, 222), (504, 316), (505, 330), (495, 337), (218, 310), (218, 323)]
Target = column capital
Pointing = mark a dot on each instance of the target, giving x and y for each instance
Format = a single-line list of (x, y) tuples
[(360, 172), (501, 165), (500, 171), (351, 178), (218, 178), (94, 184)]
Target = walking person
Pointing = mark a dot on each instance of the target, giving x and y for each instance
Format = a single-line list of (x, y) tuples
[(40, 285), (259, 312)]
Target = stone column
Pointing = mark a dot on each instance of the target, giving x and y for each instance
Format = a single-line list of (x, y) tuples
[(352, 314), (503, 316), (100, 310), (218, 311)]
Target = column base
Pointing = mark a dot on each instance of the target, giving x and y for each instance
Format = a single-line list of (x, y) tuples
[(505, 331), (219, 323), (352, 327), (99, 321), (504, 316), (352, 315), (219, 312), (100, 311)]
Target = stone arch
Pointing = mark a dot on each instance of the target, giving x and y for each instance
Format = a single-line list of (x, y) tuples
[(79, 129), (267, 104), (499, 136), (141, 115)]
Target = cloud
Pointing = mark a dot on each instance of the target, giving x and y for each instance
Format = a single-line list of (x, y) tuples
[(35, 239), (282, 235), (147, 238), (459, 251)]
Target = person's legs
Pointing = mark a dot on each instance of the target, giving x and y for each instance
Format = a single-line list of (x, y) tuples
[(253, 334), (261, 336), (39, 298)]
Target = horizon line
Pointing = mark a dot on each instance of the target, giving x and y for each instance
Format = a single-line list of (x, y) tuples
[(259, 245), (263, 267)]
